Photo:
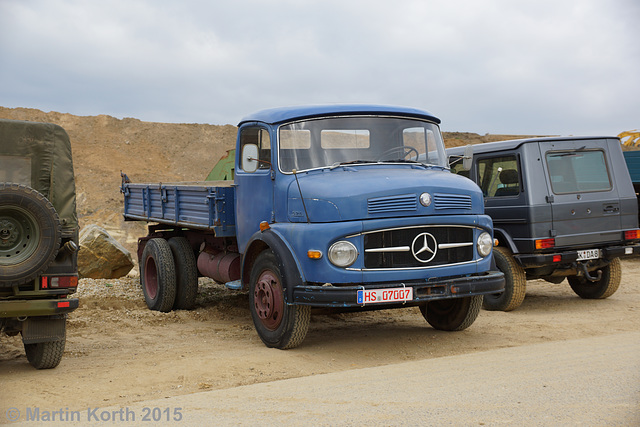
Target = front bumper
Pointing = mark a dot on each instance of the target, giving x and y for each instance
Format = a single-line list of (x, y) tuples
[(423, 291), (37, 307), (562, 257)]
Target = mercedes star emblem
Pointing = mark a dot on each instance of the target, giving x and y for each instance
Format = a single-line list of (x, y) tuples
[(424, 247)]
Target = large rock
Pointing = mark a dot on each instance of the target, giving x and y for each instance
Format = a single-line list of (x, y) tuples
[(101, 256)]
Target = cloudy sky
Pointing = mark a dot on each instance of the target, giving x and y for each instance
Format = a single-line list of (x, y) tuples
[(486, 66)]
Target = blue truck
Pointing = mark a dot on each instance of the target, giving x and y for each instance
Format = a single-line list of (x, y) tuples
[(350, 207)]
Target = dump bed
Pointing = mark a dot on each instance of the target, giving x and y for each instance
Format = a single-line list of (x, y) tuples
[(195, 205)]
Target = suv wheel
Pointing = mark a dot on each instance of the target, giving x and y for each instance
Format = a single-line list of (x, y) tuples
[(600, 289), (30, 233), (45, 355), (515, 286)]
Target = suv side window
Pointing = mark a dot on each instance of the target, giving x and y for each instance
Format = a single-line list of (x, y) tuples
[(259, 137), (499, 176)]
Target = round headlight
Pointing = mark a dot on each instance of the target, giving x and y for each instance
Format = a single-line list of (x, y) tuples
[(342, 254), (425, 199), (485, 243)]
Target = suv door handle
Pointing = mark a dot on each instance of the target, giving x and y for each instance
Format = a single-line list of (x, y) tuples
[(611, 208)]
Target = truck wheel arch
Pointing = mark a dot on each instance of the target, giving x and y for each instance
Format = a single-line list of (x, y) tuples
[(287, 262)]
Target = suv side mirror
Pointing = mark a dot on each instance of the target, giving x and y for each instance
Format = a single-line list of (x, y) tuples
[(250, 158)]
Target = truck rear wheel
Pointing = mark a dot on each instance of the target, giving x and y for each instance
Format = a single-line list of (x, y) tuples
[(158, 275), (278, 324), (45, 355), (454, 314), (186, 273), (600, 289), (30, 233), (515, 286)]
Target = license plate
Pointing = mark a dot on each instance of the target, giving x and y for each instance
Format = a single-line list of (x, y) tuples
[(374, 296), (588, 254)]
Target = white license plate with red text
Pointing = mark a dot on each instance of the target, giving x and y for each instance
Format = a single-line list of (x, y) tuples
[(374, 296)]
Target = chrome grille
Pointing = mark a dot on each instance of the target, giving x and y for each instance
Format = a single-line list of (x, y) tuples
[(451, 201), (418, 247), (402, 203)]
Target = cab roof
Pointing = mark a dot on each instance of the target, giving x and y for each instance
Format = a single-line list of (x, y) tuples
[(287, 114)]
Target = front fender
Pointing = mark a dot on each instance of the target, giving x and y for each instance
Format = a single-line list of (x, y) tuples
[(290, 269), (505, 239)]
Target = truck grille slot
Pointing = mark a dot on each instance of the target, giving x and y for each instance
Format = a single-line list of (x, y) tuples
[(418, 247), (451, 201), (402, 203)]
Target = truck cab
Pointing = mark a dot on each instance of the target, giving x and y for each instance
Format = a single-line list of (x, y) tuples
[(359, 210), (562, 208)]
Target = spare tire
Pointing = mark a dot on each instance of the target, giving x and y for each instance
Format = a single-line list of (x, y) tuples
[(30, 234)]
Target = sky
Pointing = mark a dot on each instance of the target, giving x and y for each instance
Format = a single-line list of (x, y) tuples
[(541, 67)]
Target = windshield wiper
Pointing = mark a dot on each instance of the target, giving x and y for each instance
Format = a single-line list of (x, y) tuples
[(352, 162)]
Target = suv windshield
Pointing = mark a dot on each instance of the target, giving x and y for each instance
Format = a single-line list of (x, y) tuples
[(335, 141)]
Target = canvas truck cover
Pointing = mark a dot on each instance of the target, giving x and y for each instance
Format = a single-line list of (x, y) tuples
[(39, 155)]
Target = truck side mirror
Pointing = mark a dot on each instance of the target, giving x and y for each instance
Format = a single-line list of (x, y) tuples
[(250, 158), (468, 158)]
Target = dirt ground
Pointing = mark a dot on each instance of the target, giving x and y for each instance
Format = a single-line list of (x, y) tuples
[(118, 352)]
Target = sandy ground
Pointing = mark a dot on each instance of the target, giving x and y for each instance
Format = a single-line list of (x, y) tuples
[(118, 352)]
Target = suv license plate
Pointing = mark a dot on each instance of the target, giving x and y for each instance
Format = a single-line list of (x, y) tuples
[(588, 254), (373, 296)]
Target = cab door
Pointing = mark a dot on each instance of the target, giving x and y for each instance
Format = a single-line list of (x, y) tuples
[(581, 188), (254, 189)]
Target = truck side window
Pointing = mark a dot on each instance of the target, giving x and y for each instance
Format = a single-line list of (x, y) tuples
[(259, 137), (498, 176)]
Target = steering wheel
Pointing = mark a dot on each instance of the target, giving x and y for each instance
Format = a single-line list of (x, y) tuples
[(405, 150)]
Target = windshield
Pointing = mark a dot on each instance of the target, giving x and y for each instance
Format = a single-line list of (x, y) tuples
[(336, 141)]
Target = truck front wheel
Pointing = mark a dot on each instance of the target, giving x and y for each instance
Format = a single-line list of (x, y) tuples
[(278, 324), (158, 275), (515, 286), (600, 289), (453, 314)]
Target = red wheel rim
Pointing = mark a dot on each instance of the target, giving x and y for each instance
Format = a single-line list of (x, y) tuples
[(268, 300), (150, 278)]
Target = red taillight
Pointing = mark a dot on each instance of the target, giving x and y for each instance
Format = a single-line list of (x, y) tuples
[(545, 243), (55, 282), (632, 234), (557, 258), (63, 304)]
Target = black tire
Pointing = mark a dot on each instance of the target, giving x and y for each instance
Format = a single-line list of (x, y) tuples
[(158, 275), (454, 314), (515, 286), (186, 273), (278, 324), (603, 288), (45, 355), (30, 233)]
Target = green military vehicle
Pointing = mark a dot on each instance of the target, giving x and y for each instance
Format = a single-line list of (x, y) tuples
[(38, 237)]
